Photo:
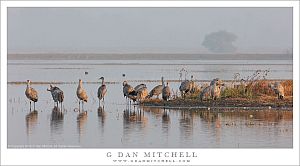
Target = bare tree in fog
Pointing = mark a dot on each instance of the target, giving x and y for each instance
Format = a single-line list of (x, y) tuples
[(220, 42)]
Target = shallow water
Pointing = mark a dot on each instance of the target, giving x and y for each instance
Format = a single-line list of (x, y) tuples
[(115, 124)]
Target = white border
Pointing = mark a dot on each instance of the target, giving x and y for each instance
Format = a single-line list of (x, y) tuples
[(97, 156)]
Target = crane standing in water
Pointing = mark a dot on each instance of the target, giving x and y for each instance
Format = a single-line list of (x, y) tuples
[(138, 95), (31, 94), (81, 94), (127, 89), (57, 95), (102, 90)]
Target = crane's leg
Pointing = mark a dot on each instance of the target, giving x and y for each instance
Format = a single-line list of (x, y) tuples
[(30, 105), (79, 106), (82, 104), (33, 106)]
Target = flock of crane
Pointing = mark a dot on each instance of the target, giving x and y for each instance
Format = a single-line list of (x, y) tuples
[(137, 93), (140, 92)]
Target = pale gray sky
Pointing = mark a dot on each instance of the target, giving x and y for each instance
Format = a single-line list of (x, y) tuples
[(145, 30)]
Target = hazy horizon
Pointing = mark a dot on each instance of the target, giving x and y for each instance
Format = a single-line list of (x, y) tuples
[(146, 30)]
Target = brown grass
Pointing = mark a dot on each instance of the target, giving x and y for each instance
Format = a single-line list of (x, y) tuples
[(261, 87), (288, 87), (257, 89)]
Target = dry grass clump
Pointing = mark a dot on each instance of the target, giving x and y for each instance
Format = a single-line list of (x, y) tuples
[(257, 89), (288, 87), (261, 87), (255, 86), (237, 92)]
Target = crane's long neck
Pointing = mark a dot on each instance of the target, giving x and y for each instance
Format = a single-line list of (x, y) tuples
[(102, 81), (80, 85), (162, 81)]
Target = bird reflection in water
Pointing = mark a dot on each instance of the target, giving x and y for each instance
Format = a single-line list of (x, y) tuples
[(166, 117), (134, 116), (186, 123), (57, 114), (31, 121), (81, 121), (57, 118), (133, 120), (155, 111), (101, 116), (165, 122), (218, 128)]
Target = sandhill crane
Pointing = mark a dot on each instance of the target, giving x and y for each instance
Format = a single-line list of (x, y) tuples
[(278, 89), (102, 90), (81, 94), (138, 95), (133, 95), (216, 88), (166, 92), (142, 94), (57, 94), (213, 91), (136, 88), (156, 90), (31, 94), (205, 93), (138, 92), (127, 89), (186, 86)]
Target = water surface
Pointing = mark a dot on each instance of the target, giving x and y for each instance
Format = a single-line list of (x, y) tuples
[(117, 125)]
